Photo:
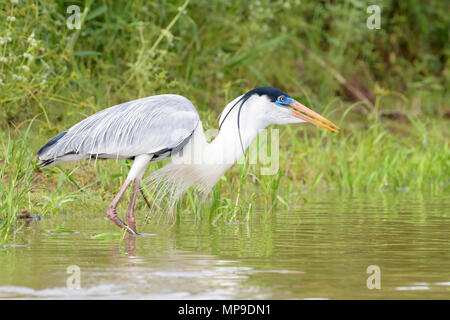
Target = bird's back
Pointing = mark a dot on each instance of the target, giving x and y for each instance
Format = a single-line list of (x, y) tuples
[(155, 125)]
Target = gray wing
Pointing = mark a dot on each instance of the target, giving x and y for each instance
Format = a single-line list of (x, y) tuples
[(153, 125)]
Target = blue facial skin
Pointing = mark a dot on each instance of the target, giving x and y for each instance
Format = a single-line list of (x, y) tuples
[(283, 101)]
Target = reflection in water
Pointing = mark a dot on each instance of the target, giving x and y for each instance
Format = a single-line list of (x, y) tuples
[(319, 250)]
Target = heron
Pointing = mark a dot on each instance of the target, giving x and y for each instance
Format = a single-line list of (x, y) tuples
[(168, 126)]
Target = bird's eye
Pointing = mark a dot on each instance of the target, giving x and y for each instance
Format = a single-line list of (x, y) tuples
[(282, 98)]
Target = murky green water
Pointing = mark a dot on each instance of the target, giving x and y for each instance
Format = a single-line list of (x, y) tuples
[(319, 250)]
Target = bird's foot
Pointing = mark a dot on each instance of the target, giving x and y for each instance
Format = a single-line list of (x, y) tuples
[(131, 230), (131, 222), (112, 216)]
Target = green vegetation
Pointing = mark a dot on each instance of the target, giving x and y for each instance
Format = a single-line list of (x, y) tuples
[(387, 89)]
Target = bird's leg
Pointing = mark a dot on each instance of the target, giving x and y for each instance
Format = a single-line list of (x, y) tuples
[(111, 211), (145, 199), (130, 213), (136, 173)]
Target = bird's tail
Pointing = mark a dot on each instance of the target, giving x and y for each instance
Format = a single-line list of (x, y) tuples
[(44, 153), (43, 163)]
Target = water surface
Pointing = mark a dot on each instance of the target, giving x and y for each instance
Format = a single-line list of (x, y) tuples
[(319, 250)]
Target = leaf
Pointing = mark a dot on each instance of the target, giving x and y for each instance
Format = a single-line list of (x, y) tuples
[(115, 175), (59, 230), (253, 53), (97, 12), (216, 219), (282, 201), (86, 53), (106, 235)]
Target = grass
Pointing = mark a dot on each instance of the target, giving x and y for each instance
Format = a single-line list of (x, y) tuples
[(16, 172), (395, 138)]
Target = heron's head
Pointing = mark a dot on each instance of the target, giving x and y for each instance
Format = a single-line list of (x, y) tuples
[(277, 107)]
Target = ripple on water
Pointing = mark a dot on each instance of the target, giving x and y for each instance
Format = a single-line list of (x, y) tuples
[(320, 250)]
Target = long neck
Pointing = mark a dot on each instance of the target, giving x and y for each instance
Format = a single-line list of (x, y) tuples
[(239, 127), (207, 162), (231, 142), (227, 147)]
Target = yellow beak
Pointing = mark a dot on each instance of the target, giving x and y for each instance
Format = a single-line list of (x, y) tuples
[(306, 114)]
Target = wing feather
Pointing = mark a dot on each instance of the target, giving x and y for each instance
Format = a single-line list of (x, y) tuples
[(146, 125)]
